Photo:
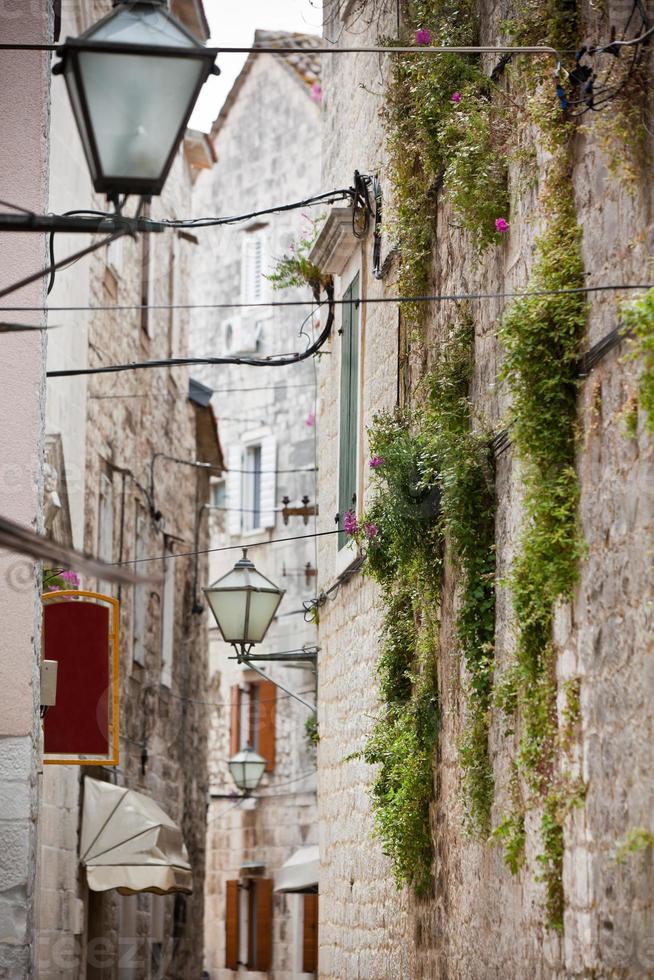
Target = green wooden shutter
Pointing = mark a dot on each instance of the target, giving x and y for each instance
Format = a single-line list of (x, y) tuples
[(348, 431)]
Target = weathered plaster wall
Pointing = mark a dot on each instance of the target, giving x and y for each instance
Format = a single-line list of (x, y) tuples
[(481, 921), (263, 159), (24, 104)]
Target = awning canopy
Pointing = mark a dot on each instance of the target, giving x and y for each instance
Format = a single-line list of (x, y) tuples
[(130, 844), (300, 872)]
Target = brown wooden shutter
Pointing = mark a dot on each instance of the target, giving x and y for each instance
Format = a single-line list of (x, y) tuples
[(235, 721), (267, 706), (263, 898), (310, 937), (232, 910)]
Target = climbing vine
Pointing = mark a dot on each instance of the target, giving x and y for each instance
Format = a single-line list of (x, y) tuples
[(434, 496), (638, 319), (401, 531), (541, 337), (463, 463), (443, 129)]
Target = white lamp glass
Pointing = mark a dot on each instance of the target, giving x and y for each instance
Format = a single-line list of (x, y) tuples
[(136, 105), (247, 768), (244, 603), (133, 79)]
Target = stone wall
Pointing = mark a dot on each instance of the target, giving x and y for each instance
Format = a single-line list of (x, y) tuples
[(483, 922), (25, 105), (126, 419)]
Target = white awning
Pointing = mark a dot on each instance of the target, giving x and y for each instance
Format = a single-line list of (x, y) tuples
[(300, 872), (130, 843)]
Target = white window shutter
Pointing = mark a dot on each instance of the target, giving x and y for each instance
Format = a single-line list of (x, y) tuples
[(268, 481), (234, 493), (254, 267)]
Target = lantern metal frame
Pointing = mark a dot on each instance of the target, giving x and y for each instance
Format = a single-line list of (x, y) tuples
[(243, 647), (69, 53)]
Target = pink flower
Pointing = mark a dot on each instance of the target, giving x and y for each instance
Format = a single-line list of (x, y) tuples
[(316, 92), (456, 97), (371, 531), (310, 420), (501, 225), (423, 36), (71, 579), (350, 523), (375, 462)]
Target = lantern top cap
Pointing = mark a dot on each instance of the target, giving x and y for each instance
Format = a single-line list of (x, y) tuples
[(244, 561), (247, 753), (141, 22)]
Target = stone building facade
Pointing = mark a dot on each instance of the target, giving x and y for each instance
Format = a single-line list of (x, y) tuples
[(25, 104), (481, 921), (267, 143), (119, 448)]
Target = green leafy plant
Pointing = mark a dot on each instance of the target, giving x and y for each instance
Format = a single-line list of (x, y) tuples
[(296, 269), (311, 732), (442, 129), (635, 841), (463, 463), (638, 320), (403, 557)]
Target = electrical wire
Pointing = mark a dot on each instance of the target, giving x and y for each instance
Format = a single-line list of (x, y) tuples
[(369, 300), (229, 547), (367, 49), (273, 360)]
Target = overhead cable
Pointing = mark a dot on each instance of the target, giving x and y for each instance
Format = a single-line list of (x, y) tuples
[(368, 300), (271, 360)]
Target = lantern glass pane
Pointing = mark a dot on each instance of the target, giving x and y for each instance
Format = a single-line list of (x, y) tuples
[(141, 24), (229, 611), (247, 768), (263, 606), (137, 105)]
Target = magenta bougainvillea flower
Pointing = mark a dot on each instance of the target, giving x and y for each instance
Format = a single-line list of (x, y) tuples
[(423, 36), (375, 462), (371, 531), (350, 523), (501, 225), (456, 97), (316, 92), (310, 420), (71, 579)]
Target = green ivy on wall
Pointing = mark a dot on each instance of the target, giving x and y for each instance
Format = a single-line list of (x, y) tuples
[(638, 320), (434, 496), (442, 128)]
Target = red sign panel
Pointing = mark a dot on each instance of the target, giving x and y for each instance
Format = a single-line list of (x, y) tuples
[(78, 635)]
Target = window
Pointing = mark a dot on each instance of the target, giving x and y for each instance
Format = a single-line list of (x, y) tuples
[(168, 619), (140, 594), (349, 414), (248, 924), (252, 484), (253, 719), (251, 495), (218, 493)]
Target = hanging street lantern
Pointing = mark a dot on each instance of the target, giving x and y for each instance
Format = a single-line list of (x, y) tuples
[(247, 768), (243, 603), (133, 80)]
